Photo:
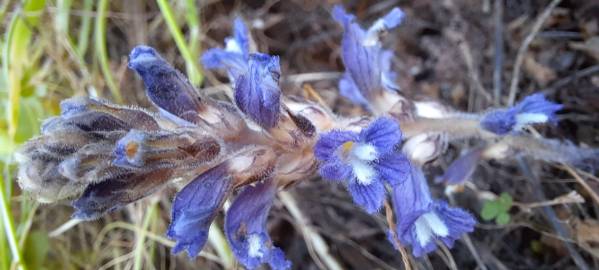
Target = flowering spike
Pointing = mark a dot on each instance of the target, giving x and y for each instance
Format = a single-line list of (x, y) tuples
[(102, 156), (257, 92), (534, 109), (166, 87), (368, 66), (364, 160), (421, 220), (195, 207), (245, 227)]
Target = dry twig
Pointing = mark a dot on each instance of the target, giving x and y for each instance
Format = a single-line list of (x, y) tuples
[(311, 237), (524, 48), (457, 36), (583, 183), (498, 70), (391, 222)]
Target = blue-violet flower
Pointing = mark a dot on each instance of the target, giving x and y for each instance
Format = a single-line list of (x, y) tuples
[(196, 206), (365, 161), (245, 227), (421, 221), (257, 92), (255, 76), (368, 65)]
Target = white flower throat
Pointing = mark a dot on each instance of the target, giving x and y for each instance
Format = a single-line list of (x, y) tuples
[(523, 119), (359, 155), (428, 226), (255, 246)]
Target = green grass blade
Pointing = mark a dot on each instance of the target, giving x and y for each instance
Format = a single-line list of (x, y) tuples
[(4, 250), (63, 14), (19, 63), (84, 30), (219, 243), (16, 57), (9, 227), (193, 70), (141, 236), (101, 51), (193, 22)]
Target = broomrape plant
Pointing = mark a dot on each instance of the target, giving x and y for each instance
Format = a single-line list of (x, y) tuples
[(102, 156)]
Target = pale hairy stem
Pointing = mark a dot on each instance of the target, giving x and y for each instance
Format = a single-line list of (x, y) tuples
[(455, 127), (505, 146), (538, 148)]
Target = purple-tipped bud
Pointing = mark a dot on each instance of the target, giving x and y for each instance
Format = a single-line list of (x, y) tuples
[(462, 168), (107, 116), (73, 106), (166, 87), (257, 92), (534, 109), (122, 188)]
